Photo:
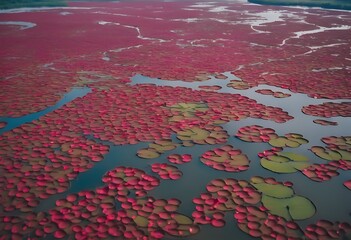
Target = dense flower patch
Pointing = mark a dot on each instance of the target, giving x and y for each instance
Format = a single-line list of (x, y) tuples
[(102, 46)]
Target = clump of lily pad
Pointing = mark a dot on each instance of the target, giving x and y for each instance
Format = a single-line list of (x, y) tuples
[(226, 158), (181, 111), (211, 88), (325, 122), (179, 159), (166, 171), (127, 178), (338, 143), (220, 76), (255, 133), (258, 222), (238, 85), (292, 140), (329, 109), (3, 124), (158, 217), (156, 148), (223, 195), (281, 199), (272, 93), (320, 172), (205, 135), (331, 155), (325, 229)]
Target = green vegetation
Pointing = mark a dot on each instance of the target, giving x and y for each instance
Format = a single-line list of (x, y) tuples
[(334, 4), (6, 4)]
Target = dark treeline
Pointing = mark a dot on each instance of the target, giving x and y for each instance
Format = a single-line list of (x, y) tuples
[(6, 4), (332, 4)]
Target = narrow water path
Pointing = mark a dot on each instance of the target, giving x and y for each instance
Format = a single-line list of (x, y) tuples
[(13, 122)]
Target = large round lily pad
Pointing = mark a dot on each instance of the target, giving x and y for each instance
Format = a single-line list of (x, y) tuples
[(285, 162), (274, 190), (292, 208)]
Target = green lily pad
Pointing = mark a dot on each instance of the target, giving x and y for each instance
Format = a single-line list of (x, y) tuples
[(345, 155), (194, 133), (326, 154), (292, 208), (189, 107), (285, 162), (148, 153), (182, 219), (283, 142), (294, 156), (141, 221), (274, 190), (292, 140), (162, 146)]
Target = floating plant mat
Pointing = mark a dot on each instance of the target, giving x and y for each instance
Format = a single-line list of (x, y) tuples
[(165, 161), (294, 104), (175, 176), (66, 98), (154, 174)]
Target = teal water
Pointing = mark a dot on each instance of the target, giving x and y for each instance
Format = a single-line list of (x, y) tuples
[(13, 122)]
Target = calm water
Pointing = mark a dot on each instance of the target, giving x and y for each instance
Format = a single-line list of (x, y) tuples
[(199, 175)]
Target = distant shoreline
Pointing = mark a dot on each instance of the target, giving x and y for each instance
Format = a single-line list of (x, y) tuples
[(327, 4), (31, 3)]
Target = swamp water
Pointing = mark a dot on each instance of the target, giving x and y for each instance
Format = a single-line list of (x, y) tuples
[(327, 196)]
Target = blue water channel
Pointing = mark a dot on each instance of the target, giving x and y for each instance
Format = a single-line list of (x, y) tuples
[(13, 122)]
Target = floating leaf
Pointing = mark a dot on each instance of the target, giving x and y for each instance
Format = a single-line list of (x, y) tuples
[(210, 88), (292, 140), (148, 153), (285, 162), (209, 135), (189, 107), (294, 208), (162, 146), (182, 219), (274, 190), (193, 134), (141, 221), (239, 85), (272, 93), (326, 154), (325, 122), (348, 184)]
